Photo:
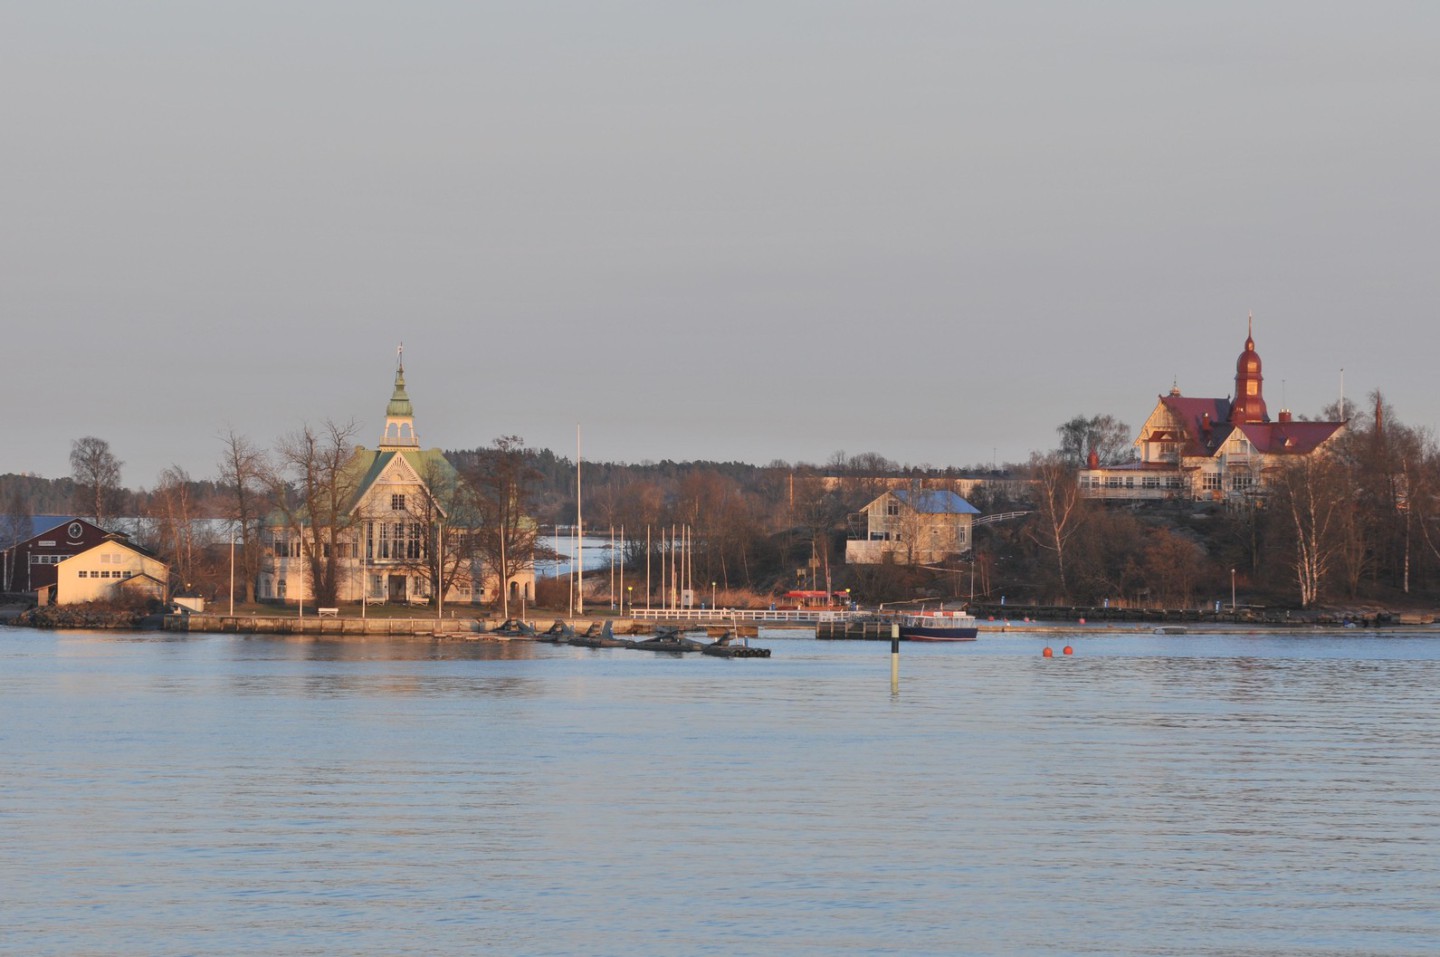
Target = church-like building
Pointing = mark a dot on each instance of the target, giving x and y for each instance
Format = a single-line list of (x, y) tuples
[(1209, 449), (406, 529)]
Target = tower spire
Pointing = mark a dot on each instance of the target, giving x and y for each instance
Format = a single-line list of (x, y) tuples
[(1248, 404), (399, 414)]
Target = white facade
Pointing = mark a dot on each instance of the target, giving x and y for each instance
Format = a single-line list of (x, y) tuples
[(107, 572), (403, 531)]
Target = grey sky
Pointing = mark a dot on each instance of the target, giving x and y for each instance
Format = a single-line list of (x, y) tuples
[(730, 231)]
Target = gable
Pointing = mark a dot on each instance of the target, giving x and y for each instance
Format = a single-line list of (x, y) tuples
[(1198, 426), (391, 471), (1290, 438), (58, 532)]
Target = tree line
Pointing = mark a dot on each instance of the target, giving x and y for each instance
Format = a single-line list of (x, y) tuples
[(1357, 524)]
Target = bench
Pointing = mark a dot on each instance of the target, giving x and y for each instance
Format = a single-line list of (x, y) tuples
[(328, 612)]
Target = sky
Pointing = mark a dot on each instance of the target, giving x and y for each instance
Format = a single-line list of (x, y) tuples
[(731, 231)]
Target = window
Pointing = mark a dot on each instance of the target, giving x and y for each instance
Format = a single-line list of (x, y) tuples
[(1240, 481), (892, 508), (397, 503), (1212, 482), (84, 573)]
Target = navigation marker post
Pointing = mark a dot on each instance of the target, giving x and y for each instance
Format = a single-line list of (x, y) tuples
[(894, 658)]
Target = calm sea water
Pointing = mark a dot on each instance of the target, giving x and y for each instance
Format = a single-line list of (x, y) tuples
[(1152, 795)]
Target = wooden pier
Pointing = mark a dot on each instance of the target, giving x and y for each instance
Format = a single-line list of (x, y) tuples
[(857, 629)]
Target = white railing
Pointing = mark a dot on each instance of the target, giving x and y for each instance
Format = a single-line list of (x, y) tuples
[(722, 615)]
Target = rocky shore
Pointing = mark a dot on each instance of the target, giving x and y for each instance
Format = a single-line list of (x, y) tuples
[(82, 616)]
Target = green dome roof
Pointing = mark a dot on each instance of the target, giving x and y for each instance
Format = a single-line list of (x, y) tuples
[(399, 401)]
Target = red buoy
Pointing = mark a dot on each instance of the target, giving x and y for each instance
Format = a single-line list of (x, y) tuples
[(1068, 650), (1047, 653)]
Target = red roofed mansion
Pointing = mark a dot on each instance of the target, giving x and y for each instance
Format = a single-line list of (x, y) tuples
[(1209, 449)]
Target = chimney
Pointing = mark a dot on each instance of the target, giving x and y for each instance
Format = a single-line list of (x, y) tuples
[(1284, 416)]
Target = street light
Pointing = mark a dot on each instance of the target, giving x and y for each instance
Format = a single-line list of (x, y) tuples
[(712, 596), (1232, 591)]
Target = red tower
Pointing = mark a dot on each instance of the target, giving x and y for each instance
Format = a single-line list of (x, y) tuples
[(1249, 402)]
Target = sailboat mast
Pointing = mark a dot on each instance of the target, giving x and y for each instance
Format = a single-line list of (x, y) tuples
[(579, 534)]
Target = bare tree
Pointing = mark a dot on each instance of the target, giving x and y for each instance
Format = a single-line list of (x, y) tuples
[(1105, 435), (441, 526), (15, 524), (96, 472), (172, 516), (1312, 494), (1059, 509), (15, 529), (501, 482), (242, 471), (314, 490)]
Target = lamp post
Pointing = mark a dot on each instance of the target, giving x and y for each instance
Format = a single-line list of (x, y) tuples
[(630, 590), (712, 596), (1232, 592)]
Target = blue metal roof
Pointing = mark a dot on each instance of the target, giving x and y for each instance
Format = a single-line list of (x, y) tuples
[(936, 502)]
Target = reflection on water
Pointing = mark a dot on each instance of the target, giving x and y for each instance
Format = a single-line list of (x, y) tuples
[(1151, 795)]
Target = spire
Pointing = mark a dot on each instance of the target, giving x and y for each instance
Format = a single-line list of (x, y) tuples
[(399, 414), (1248, 405)]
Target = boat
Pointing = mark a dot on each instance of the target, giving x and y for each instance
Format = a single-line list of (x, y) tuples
[(597, 636), (558, 633), (722, 648), (668, 639), (513, 628), (937, 626)]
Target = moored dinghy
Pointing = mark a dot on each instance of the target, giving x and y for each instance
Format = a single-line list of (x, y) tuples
[(668, 639), (559, 633), (597, 636), (723, 647)]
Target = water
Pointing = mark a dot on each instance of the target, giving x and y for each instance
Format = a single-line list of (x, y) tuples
[(1153, 795)]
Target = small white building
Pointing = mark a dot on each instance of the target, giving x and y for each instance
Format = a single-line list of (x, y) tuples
[(110, 571), (913, 527)]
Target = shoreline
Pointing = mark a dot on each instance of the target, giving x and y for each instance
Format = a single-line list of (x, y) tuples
[(481, 628)]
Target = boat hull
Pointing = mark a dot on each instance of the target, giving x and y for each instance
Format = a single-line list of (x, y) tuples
[(938, 626), (938, 634)]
